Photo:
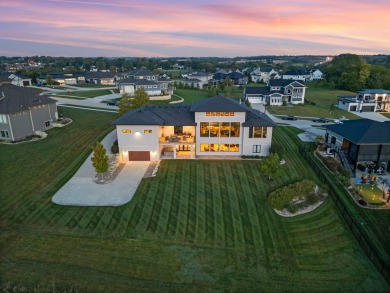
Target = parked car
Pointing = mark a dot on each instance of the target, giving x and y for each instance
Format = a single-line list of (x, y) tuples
[(289, 117), (321, 120), (112, 103)]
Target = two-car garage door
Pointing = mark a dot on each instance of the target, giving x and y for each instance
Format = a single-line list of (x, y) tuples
[(139, 156)]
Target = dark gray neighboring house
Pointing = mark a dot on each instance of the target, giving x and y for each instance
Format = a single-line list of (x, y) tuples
[(23, 112), (361, 140)]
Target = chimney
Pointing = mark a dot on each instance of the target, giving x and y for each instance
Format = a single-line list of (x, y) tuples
[(240, 101)]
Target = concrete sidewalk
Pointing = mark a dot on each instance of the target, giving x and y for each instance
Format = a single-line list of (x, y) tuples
[(81, 190)]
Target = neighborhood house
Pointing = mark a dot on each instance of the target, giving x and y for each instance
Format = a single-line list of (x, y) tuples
[(361, 141), (215, 126), (368, 100), (278, 92), (24, 112)]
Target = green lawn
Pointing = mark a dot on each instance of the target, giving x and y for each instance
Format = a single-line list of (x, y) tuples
[(85, 94), (386, 115), (92, 85), (190, 95), (196, 226), (323, 98)]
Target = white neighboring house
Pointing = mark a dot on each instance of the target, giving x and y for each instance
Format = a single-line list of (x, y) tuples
[(20, 80), (299, 74), (215, 126), (203, 77), (316, 74), (142, 78), (277, 92), (368, 100)]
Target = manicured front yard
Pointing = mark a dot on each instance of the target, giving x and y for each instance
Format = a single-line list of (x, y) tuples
[(84, 94), (196, 226)]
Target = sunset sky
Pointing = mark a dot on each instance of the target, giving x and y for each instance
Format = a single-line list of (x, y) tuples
[(168, 28)]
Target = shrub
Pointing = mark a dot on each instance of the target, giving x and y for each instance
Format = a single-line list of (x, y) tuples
[(312, 198), (331, 163), (280, 198)]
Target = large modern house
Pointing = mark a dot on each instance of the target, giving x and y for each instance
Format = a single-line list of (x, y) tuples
[(143, 78), (105, 78), (368, 100), (24, 112), (215, 126), (277, 92), (361, 141)]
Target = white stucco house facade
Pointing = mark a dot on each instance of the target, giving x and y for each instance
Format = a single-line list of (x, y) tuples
[(277, 92), (215, 126), (367, 100)]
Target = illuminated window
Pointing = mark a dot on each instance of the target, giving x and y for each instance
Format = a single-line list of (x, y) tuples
[(214, 147), (204, 147), (258, 132), (223, 147), (224, 129), (227, 114), (147, 131), (214, 129), (231, 113), (126, 131), (234, 147), (207, 113), (212, 113), (204, 129), (235, 129)]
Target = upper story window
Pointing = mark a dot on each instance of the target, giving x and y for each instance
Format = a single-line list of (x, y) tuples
[(257, 132), (219, 129), (147, 131), (219, 113)]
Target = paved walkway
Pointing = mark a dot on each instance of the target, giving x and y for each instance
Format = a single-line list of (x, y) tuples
[(81, 190), (372, 115)]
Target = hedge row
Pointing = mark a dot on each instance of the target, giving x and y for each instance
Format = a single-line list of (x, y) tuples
[(280, 198)]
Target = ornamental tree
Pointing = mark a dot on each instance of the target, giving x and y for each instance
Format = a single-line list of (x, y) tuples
[(99, 159)]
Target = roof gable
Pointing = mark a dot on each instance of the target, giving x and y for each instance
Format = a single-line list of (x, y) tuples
[(219, 104)]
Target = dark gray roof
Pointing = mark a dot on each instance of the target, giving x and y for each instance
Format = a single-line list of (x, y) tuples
[(297, 72), (176, 115), (363, 131), (190, 80), (346, 98), (19, 99), (145, 82), (182, 114), (132, 80), (374, 91), (140, 72), (258, 90), (219, 104), (256, 118), (285, 82), (100, 74)]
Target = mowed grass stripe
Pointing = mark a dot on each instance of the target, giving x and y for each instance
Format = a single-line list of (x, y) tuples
[(192, 222), (210, 216), (200, 233), (233, 199), (219, 213), (186, 225)]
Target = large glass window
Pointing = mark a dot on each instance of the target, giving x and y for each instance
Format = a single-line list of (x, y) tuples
[(258, 132), (223, 147), (235, 129), (204, 129), (204, 147), (234, 147), (224, 129), (214, 147), (214, 129)]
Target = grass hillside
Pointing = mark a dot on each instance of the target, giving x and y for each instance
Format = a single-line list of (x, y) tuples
[(197, 226)]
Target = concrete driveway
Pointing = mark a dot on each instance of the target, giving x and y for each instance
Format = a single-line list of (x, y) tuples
[(81, 190), (372, 115)]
